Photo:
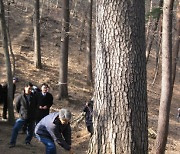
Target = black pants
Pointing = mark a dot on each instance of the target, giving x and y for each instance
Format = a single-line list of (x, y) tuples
[(90, 129), (5, 107)]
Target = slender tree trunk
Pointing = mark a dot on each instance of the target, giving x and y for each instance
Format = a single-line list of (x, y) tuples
[(149, 22), (166, 85), (37, 43), (151, 37), (82, 29), (176, 44), (89, 48), (8, 63), (120, 107), (10, 45), (63, 61)]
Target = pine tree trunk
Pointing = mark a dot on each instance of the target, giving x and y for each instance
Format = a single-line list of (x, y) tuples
[(176, 44), (89, 48), (120, 107), (8, 63), (166, 83), (63, 61), (151, 37), (37, 44)]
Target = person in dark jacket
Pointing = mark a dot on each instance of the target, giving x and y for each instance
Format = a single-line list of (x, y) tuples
[(25, 105), (55, 127), (88, 109), (5, 95), (0, 93), (44, 101)]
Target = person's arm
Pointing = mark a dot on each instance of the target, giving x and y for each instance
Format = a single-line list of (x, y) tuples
[(17, 103), (57, 136), (67, 134), (50, 100)]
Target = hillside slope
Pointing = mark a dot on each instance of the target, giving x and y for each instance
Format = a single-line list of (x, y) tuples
[(21, 30)]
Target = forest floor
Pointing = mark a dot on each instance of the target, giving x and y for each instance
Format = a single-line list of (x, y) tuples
[(79, 92)]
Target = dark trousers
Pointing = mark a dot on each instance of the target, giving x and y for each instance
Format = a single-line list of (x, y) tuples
[(17, 126), (5, 107), (90, 129)]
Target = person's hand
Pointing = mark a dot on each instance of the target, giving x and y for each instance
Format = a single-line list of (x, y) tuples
[(44, 107), (40, 107)]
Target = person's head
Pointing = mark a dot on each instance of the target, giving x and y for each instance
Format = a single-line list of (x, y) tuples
[(44, 88), (28, 87), (64, 116), (89, 103), (15, 79)]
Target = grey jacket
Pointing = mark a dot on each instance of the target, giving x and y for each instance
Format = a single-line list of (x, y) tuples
[(25, 108), (50, 127)]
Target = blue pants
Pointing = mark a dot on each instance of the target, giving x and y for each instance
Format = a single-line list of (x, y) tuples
[(50, 145), (17, 126)]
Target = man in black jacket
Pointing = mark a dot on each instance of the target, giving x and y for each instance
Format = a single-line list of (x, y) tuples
[(44, 101), (25, 106), (55, 127), (5, 95)]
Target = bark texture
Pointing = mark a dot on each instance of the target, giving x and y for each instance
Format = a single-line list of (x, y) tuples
[(120, 107)]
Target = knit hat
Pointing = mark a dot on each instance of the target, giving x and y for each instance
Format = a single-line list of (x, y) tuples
[(65, 114)]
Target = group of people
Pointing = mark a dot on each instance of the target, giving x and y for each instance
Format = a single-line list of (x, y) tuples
[(33, 106)]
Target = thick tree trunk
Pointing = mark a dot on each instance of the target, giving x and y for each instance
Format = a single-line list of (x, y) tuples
[(166, 85), (63, 61), (89, 48), (37, 44), (120, 107), (8, 64)]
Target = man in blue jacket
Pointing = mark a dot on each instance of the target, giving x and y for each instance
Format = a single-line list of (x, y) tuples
[(55, 127)]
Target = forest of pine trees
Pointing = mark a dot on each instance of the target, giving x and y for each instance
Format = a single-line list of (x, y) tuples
[(123, 55)]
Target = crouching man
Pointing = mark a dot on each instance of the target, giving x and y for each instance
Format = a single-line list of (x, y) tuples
[(55, 127)]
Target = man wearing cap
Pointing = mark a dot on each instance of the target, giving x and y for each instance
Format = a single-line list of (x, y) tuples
[(55, 127)]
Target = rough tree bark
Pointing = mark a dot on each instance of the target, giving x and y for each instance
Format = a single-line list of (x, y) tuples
[(166, 83), (120, 107), (63, 61)]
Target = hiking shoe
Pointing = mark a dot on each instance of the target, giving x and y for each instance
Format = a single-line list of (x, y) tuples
[(12, 145)]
